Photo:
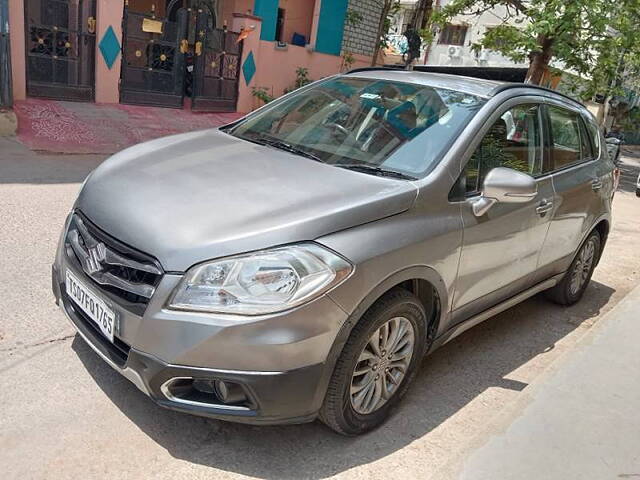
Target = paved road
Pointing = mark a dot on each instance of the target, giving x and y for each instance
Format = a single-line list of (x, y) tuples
[(65, 414)]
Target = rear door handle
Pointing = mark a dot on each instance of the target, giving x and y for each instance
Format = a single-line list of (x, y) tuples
[(543, 207), (596, 184)]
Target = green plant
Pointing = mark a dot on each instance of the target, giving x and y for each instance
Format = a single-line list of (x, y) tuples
[(302, 77), (262, 93), (353, 18), (347, 61)]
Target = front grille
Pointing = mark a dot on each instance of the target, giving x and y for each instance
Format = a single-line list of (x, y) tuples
[(114, 267)]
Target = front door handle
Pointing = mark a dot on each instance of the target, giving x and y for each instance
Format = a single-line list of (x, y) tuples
[(543, 207), (596, 184)]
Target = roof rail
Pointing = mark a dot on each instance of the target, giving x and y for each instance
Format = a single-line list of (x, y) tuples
[(373, 69), (509, 86)]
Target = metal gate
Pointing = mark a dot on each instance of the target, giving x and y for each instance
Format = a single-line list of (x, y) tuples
[(183, 52), (60, 48), (153, 61), (217, 66), (6, 99)]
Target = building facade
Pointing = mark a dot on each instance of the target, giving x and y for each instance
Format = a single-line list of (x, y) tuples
[(451, 45), (208, 55)]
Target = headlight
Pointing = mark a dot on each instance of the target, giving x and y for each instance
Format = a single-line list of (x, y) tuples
[(261, 282)]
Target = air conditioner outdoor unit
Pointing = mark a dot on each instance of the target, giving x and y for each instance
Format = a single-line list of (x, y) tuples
[(454, 51)]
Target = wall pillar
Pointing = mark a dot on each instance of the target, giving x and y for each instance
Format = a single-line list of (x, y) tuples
[(314, 23), (109, 14), (16, 34), (251, 46)]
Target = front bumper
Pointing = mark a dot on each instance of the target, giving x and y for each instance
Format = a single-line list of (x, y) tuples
[(274, 395)]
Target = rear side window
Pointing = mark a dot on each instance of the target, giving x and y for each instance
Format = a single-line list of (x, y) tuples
[(570, 143), (594, 133)]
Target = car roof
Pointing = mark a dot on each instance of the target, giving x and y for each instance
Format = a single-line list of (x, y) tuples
[(471, 85)]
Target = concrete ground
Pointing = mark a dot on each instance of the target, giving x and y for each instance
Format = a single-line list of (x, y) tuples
[(578, 420), (66, 414)]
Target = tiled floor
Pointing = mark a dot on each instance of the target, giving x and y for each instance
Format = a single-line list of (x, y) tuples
[(71, 127)]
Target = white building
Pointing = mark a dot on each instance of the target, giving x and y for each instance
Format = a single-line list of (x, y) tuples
[(452, 44)]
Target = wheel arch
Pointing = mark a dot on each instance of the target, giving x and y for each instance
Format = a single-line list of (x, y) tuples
[(422, 281), (603, 227)]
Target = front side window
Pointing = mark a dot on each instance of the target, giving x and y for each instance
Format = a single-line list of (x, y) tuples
[(513, 141), (569, 141), (358, 122)]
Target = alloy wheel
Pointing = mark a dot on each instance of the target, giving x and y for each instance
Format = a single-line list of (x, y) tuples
[(582, 268), (382, 365)]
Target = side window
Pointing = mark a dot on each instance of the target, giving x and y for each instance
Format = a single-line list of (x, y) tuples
[(513, 141), (594, 133), (569, 141)]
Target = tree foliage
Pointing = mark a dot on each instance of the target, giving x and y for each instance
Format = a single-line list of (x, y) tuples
[(583, 36)]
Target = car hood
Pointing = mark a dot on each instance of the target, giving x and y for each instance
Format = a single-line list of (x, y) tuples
[(192, 197)]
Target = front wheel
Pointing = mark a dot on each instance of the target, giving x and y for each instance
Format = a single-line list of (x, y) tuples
[(574, 283), (377, 364)]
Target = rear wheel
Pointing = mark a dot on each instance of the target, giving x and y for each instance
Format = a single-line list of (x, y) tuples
[(376, 365), (574, 283)]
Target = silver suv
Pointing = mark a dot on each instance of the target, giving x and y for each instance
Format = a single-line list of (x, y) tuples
[(299, 263)]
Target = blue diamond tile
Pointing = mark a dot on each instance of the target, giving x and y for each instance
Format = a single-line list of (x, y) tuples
[(249, 68), (109, 47)]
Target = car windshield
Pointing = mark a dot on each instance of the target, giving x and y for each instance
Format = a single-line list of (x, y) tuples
[(373, 126)]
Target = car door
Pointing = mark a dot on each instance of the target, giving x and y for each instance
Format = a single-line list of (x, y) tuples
[(581, 183), (500, 248)]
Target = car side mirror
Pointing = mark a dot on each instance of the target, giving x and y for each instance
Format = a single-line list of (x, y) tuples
[(504, 185), (613, 141)]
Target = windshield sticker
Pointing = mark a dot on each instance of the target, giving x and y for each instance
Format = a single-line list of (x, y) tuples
[(370, 96)]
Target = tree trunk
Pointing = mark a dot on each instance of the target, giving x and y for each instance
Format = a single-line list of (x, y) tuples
[(386, 6), (539, 60)]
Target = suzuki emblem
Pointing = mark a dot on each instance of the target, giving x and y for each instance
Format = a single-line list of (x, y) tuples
[(97, 255)]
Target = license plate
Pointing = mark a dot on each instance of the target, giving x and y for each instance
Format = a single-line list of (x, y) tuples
[(91, 304)]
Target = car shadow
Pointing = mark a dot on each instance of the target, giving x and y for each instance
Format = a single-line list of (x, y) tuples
[(20, 165), (450, 378)]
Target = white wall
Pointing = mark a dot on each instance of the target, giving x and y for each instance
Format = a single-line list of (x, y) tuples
[(439, 54)]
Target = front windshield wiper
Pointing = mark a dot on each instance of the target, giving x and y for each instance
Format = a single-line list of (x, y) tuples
[(282, 145), (381, 172)]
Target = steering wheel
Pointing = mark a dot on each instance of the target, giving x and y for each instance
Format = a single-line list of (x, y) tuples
[(338, 128)]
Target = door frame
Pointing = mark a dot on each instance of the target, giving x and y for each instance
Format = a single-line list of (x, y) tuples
[(471, 308)]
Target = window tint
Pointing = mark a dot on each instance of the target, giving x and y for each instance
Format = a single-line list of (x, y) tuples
[(585, 143), (594, 133), (569, 141), (513, 141)]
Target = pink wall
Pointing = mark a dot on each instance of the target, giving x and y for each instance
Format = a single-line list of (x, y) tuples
[(16, 34), (109, 14), (298, 17), (320, 65), (229, 7), (251, 45)]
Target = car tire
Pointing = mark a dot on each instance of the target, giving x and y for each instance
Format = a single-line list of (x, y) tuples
[(570, 289), (346, 411), (637, 192)]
